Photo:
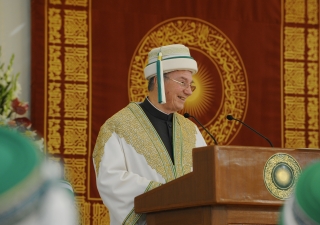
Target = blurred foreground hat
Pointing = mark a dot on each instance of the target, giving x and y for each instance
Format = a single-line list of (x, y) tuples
[(29, 192), (20, 176), (166, 59), (304, 205)]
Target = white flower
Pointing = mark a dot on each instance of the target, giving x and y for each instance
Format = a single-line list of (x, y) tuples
[(17, 91), (30, 134), (40, 144), (3, 82), (3, 120), (6, 110), (9, 78)]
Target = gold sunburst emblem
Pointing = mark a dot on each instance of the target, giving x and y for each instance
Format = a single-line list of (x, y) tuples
[(222, 86)]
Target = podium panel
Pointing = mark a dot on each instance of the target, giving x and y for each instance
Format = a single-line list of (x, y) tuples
[(227, 186), (216, 215)]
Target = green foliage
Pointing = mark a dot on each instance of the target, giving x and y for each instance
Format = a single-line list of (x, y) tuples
[(9, 87)]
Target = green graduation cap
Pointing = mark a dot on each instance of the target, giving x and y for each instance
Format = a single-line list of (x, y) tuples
[(20, 181)]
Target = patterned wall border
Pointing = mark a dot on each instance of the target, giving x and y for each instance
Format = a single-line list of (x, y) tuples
[(68, 97), (300, 73)]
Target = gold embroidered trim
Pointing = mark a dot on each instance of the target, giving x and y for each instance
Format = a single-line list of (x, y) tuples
[(103, 136), (184, 142), (132, 124), (133, 217), (149, 144)]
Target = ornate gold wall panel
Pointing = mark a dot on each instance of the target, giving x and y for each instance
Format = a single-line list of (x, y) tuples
[(67, 90), (301, 73)]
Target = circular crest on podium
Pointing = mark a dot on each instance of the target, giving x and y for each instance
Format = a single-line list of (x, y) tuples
[(280, 175)]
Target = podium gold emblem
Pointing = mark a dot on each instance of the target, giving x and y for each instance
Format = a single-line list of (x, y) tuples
[(280, 175)]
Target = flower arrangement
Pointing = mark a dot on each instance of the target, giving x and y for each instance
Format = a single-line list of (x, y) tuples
[(13, 117), (12, 110)]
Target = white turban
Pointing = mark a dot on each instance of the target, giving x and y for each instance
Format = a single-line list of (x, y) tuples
[(174, 57)]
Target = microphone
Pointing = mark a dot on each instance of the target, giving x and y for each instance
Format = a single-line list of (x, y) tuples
[(187, 115), (230, 117)]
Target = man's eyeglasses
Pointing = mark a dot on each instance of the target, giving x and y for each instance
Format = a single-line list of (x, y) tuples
[(183, 84)]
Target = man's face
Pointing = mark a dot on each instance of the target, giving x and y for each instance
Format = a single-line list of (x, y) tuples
[(176, 94)]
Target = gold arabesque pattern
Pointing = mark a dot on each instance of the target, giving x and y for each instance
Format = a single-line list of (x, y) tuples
[(313, 13), (55, 64), (100, 214), (75, 173), (76, 101), (54, 99), (301, 74), (83, 3), (76, 27), (75, 133), (66, 91), (54, 136), (84, 209), (76, 65), (55, 24)]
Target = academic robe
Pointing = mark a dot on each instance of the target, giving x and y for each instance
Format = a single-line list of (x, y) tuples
[(130, 159)]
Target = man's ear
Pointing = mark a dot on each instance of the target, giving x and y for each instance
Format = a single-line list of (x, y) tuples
[(155, 83)]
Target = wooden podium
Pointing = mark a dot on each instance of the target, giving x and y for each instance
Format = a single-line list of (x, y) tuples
[(226, 187)]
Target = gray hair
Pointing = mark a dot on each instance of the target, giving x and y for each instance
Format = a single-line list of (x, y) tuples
[(151, 82)]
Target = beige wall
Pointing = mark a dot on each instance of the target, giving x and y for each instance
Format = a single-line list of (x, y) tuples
[(15, 37)]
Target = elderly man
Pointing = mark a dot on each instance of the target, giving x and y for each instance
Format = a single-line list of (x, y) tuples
[(148, 144)]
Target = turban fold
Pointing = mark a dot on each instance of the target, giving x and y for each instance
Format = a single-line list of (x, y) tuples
[(174, 57)]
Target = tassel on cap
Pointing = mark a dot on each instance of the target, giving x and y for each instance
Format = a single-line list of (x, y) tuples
[(160, 78)]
